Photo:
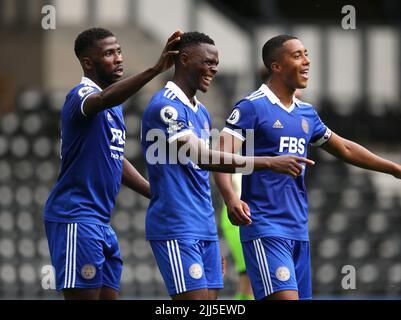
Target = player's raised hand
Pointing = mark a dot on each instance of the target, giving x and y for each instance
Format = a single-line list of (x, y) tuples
[(288, 164), (167, 57), (238, 212)]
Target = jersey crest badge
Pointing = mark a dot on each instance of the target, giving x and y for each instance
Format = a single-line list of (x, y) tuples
[(305, 125)]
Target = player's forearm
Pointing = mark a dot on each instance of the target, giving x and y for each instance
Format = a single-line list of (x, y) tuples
[(224, 184), (119, 92), (230, 163), (132, 179), (213, 160), (221, 161), (357, 155)]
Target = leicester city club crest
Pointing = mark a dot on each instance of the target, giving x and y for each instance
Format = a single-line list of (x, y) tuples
[(305, 125)]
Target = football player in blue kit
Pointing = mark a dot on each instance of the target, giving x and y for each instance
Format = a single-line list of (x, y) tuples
[(180, 222), (83, 247), (273, 210)]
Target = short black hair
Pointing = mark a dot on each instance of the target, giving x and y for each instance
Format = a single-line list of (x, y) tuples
[(269, 51), (88, 38), (193, 38)]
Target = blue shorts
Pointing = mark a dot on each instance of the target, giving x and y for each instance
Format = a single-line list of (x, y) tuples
[(84, 255), (188, 264), (275, 264)]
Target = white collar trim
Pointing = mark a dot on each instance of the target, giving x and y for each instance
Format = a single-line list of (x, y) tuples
[(88, 82), (274, 99), (182, 96)]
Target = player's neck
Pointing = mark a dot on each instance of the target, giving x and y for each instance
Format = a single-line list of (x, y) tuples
[(96, 80), (283, 92), (183, 85)]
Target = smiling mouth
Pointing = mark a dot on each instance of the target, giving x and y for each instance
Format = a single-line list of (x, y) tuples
[(207, 79), (119, 70), (305, 73)]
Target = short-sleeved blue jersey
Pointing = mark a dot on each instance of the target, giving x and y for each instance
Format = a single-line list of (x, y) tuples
[(92, 153), (278, 203), (181, 205)]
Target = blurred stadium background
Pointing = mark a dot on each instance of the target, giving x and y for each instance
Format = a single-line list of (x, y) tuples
[(355, 215)]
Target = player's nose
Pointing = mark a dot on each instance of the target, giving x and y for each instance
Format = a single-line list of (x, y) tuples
[(214, 69), (119, 59)]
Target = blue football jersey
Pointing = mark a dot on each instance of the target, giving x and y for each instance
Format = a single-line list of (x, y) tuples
[(278, 203), (181, 205), (92, 153)]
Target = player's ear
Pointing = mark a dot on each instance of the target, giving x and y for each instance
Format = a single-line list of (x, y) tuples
[(275, 67), (86, 63), (183, 57)]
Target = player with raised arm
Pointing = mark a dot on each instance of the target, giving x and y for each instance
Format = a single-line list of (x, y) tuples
[(83, 247), (273, 210)]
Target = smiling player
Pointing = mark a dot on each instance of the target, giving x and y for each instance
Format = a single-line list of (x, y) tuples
[(275, 234)]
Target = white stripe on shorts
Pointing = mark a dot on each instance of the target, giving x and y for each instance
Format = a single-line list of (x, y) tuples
[(263, 267), (180, 263), (176, 265), (71, 256), (266, 264)]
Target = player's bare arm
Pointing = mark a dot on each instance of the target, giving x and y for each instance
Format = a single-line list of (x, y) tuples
[(359, 156), (120, 91), (132, 179), (231, 163)]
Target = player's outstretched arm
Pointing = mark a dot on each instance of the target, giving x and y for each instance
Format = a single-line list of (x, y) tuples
[(120, 91), (220, 161), (359, 156), (134, 180)]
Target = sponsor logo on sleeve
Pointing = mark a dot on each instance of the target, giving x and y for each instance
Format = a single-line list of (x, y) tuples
[(327, 135), (168, 114), (234, 117), (85, 91), (174, 127), (109, 117)]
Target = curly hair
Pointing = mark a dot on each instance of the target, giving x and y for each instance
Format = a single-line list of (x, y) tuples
[(88, 38), (193, 38)]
